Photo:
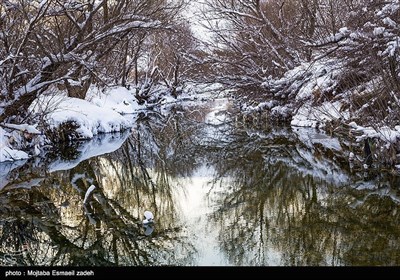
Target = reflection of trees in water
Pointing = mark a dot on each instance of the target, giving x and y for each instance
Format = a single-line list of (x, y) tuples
[(49, 225), (151, 163), (275, 214), (372, 230), (273, 209), (39, 229)]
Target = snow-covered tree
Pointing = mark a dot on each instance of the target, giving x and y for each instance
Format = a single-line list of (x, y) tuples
[(65, 44), (367, 47), (262, 39), (170, 52), (254, 39)]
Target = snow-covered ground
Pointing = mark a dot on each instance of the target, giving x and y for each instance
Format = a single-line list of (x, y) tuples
[(102, 111), (99, 113)]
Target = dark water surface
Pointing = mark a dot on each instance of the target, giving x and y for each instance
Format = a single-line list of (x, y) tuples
[(221, 195)]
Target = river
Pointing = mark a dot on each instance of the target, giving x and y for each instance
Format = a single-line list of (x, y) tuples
[(221, 194)]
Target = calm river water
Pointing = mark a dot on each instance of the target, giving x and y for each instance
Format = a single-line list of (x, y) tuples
[(220, 194)]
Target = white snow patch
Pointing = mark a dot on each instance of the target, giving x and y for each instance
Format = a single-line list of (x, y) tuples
[(317, 116), (23, 127), (378, 30), (118, 99), (6, 152), (384, 133), (101, 112)]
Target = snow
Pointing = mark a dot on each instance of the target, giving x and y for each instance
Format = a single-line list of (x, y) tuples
[(306, 85), (390, 22), (90, 118), (389, 8), (99, 113), (118, 99), (383, 133), (42, 3), (112, 110), (343, 33), (6, 152), (102, 144), (392, 47), (379, 31), (307, 81), (126, 27), (24, 127), (317, 116)]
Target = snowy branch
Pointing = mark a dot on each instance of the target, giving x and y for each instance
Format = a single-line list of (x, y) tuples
[(22, 127)]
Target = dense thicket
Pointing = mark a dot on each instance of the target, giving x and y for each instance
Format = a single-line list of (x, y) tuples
[(256, 42), (256, 48), (72, 44)]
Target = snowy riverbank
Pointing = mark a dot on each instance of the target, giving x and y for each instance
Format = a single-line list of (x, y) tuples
[(102, 111), (115, 109), (313, 95)]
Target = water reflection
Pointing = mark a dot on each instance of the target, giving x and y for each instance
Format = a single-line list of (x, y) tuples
[(285, 206), (220, 194)]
